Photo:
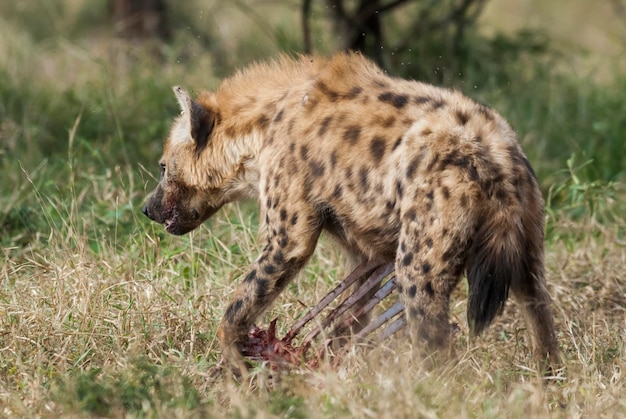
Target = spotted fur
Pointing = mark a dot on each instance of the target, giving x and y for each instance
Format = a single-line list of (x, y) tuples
[(393, 169)]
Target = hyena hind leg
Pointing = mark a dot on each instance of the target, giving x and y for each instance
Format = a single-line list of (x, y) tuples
[(535, 303), (425, 286)]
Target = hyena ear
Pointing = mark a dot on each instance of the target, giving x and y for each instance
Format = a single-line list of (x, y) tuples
[(200, 120)]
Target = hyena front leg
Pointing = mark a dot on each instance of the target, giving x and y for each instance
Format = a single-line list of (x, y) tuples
[(291, 241), (425, 283)]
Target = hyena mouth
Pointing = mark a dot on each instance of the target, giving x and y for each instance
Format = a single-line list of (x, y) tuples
[(177, 229), (174, 226)]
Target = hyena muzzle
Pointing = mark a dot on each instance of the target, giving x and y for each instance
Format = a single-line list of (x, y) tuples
[(394, 170)]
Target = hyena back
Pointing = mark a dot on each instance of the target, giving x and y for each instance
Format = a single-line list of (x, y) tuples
[(395, 170)]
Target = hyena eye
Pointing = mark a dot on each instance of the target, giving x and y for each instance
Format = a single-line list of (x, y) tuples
[(162, 166)]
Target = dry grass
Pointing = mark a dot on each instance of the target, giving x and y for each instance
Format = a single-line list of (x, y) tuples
[(129, 326)]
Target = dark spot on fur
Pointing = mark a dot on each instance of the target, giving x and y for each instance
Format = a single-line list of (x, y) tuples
[(448, 254), (501, 195), (268, 203), (411, 291), (324, 126), (304, 152), (426, 268), (333, 159), (399, 189), (263, 121), (283, 214), (377, 148), (251, 276), (407, 259), (292, 147), (269, 269), (353, 93), (437, 104), (338, 191), (413, 165), (278, 257), (388, 122), (486, 113), (421, 100), (232, 310), (410, 214), (454, 158), (445, 192), (433, 162), (317, 168), (294, 219), (279, 116), (397, 101), (428, 288), (461, 116), (363, 178), (326, 91), (473, 173), (428, 242), (396, 144), (352, 134), (230, 131), (430, 195), (262, 287)]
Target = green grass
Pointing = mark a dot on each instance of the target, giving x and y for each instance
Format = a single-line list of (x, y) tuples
[(102, 313)]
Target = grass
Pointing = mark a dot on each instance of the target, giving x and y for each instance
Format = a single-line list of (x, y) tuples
[(101, 313)]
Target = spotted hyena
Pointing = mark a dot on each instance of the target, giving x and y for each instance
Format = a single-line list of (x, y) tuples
[(395, 170)]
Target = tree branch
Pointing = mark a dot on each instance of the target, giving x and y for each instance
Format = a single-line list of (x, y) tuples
[(306, 26)]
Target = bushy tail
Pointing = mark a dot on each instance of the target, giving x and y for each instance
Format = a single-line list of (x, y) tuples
[(497, 260)]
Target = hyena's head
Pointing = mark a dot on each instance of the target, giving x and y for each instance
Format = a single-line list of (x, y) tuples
[(191, 187)]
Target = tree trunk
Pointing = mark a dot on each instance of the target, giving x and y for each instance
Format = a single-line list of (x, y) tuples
[(140, 19)]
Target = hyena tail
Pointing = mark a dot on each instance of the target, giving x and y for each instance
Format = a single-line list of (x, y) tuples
[(505, 253)]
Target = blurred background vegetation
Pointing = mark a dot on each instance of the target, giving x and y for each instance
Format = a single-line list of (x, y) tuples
[(85, 99)]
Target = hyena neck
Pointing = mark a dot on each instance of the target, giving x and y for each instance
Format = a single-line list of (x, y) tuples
[(248, 105), (249, 101)]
